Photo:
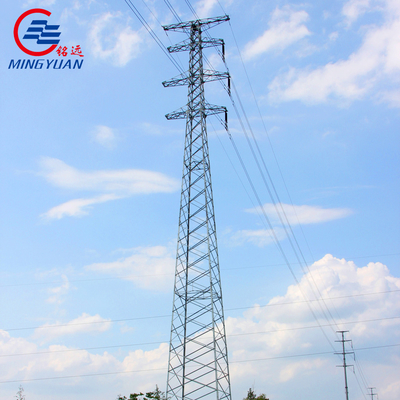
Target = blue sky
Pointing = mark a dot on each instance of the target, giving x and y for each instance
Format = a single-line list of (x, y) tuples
[(90, 179)]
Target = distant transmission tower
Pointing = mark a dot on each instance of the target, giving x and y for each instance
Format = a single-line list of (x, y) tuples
[(371, 393), (343, 353), (198, 356)]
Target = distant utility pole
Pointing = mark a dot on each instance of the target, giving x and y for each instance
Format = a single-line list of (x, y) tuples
[(198, 355), (372, 394), (343, 353)]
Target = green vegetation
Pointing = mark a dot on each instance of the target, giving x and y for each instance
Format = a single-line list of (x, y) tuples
[(157, 394), (20, 394), (251, 395)]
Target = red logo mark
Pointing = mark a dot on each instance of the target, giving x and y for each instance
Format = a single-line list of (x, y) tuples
[(16, 37)]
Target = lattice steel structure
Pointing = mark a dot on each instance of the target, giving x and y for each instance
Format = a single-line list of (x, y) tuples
[(198, 359)]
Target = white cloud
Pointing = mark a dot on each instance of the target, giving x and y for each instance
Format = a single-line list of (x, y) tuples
[(391, 97), (354, 9), (104, 136), (44, 3), (333, 36), (83, 324), (375, 64), (286, 27), (392, 390), (148, 267), (302, 214), (76, 207), (337, 279), (259, 237), (114, 40), (294, 214), (123, 182), (204, 7), (278, 336), (290, 371), (60, 360), (113, 184), (57, 293), (140, 359), (151, 128)]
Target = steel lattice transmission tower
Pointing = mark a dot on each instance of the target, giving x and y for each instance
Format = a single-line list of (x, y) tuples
[(198, 356)]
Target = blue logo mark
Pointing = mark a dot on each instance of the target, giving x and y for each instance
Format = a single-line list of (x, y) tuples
[(43, 33)]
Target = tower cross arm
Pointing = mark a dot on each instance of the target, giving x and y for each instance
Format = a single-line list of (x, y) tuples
[(206, 23), (207, 76), (185, 45), (209, 109), (181, 113)]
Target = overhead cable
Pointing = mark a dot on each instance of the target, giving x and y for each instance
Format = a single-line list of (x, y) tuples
[(164, 369)]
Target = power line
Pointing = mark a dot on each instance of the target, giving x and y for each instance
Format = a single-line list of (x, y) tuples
[(153, 34), (274, 189), (286, 225), (155, 17), (169, 316), (362, 375), (272, 230), (170, 274), (83, 349), (303, 301), (358, 383), (266, 131), (276, 194), (169, 5), (312, 326), (165, 341), (272, 149), (88, 323), (84, 375), (164, 369), (275, 202)]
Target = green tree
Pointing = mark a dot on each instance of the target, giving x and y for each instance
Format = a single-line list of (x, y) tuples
[(20, 394), (251, 395), (157, 394)]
